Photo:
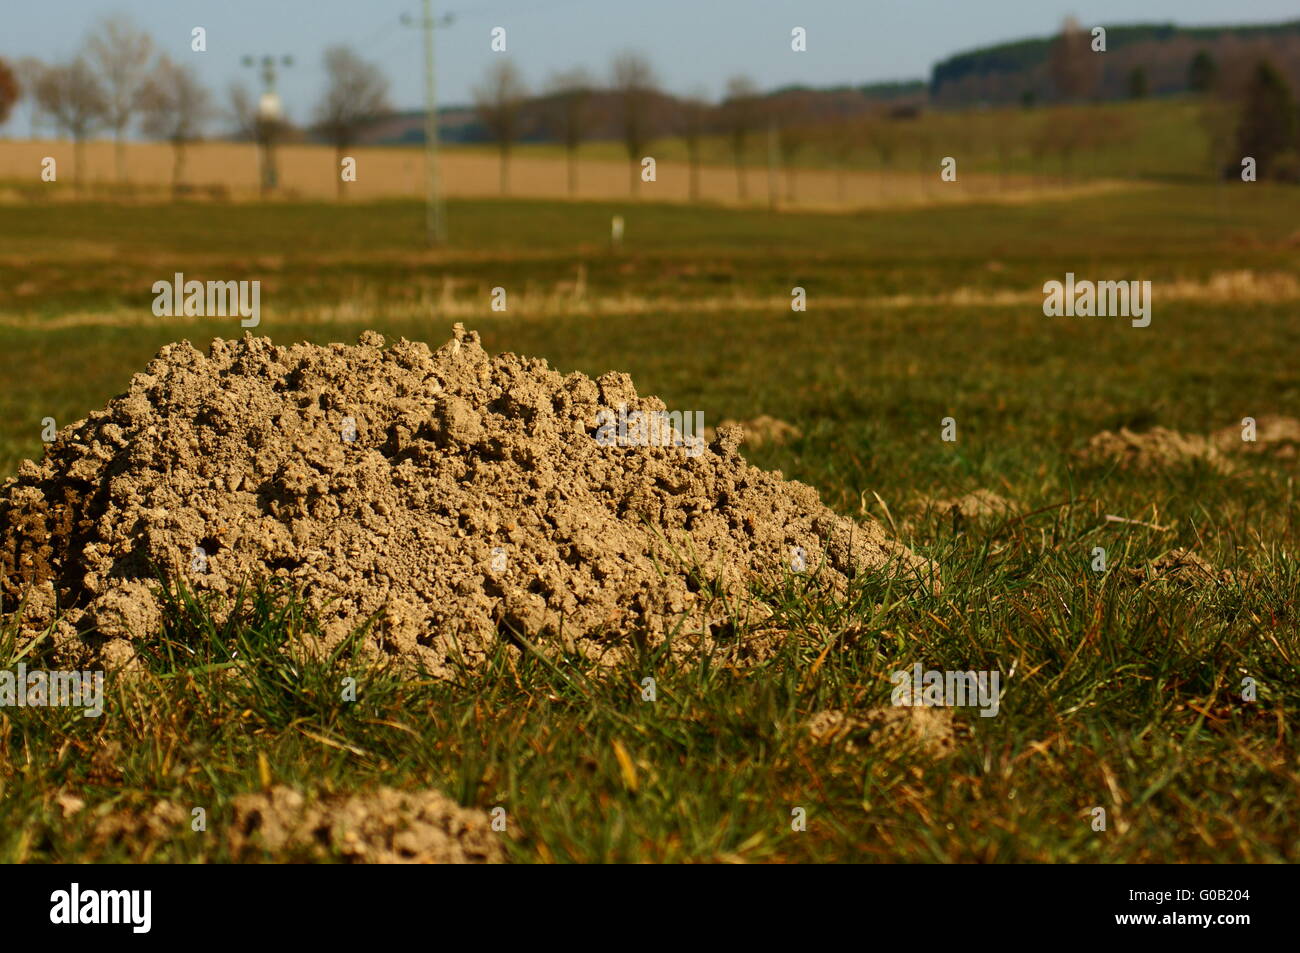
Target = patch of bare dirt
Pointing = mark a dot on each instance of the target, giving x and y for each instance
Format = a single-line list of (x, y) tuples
[(451, 495), (759, 430), (1149, 451), (385, 826)]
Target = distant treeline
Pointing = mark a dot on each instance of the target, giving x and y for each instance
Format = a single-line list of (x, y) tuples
[(542, 117), (1154, 59)]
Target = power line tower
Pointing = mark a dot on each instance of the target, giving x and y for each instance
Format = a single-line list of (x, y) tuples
[(435, 212), (269, 118)]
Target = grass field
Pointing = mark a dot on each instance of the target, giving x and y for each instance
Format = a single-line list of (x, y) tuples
[(1118, 695)]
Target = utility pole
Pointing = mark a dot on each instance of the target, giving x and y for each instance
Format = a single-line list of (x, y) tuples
[(434, 213), (773, 162), (269, 117)]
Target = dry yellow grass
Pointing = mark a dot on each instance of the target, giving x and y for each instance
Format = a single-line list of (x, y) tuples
[(461, 300), (309, 171)]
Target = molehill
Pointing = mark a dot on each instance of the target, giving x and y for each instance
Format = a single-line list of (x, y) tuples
[(449, 497)]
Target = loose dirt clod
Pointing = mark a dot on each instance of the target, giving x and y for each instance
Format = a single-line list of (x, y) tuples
[(1275, 436), (141, 828), (449, 496), (385, 826), (760, 430), (931, 731), (1183, 567), (1152, 450), (982, 504)]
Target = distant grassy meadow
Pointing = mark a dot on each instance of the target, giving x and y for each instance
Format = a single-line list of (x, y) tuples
[(1118, 695)]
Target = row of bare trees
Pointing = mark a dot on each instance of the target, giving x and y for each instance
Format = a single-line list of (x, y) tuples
[(116, 84), (573, 108), (113, 84)]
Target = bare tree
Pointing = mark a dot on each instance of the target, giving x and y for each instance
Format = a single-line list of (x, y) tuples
[(176, 107), (29, 71), (843, 139), (885, 139), (881, 134), (741, 114), (357, 93), (1073, 66), (570, 114), (695, 115), (121, 54), (71, 94), (10, 90), (794, 133), (242, 111), (635, 85), (499, 100)]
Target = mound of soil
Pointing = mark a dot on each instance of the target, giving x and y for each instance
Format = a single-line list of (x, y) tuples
[(1149, 451), (141, 829), (448, 496), (383, 827)]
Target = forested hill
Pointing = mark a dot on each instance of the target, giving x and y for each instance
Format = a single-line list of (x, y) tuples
[(1163, 51)]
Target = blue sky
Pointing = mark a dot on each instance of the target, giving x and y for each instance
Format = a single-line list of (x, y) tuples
[(694, 44)]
